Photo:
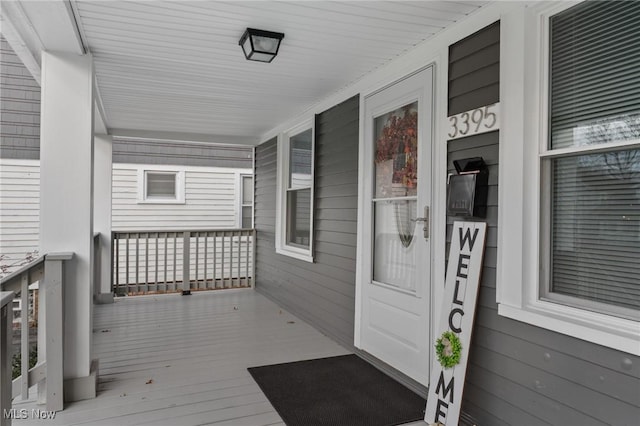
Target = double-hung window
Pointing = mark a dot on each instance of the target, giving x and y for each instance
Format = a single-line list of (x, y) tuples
[(294, 223), (580, 168), (591, 161)]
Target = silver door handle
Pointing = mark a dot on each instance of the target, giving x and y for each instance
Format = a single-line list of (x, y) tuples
[(425, 220)]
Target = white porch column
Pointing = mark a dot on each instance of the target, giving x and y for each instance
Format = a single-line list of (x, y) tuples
[(103, 151), (66, 202)]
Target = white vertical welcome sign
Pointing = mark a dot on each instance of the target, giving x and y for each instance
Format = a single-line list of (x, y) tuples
[(456, 323)]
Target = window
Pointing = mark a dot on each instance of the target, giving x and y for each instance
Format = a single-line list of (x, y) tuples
[(295, 193), (579, 240), (161, 187), (592, 221), (246, 201)]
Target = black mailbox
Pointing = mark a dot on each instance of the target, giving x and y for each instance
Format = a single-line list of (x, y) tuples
[(468, 189)]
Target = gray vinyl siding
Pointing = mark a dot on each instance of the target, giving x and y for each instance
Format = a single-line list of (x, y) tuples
[(322, 292), (474, 70), (138, 151), (20, 108), (519, 374)]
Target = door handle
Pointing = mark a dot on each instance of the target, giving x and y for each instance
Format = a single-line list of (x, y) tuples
[(425, 221)]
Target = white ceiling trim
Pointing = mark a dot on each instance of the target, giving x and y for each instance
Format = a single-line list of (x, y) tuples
[(184, 137), (24, 42)]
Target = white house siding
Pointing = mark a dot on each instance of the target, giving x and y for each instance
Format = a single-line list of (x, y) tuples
[(212, 200), (19, 210)]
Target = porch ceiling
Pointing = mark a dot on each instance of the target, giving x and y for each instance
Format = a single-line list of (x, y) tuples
[(176, 66)]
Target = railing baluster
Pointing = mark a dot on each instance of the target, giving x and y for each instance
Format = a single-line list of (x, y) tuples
[(24, 335), (165, 260), (239, 244), (215, 259), (146, 262), (206, 237), (246, 261), (157, 256), (137, 263), (127, 263), (224, 280), (116, 262), (6, 337), (197, 259), (175, 263)]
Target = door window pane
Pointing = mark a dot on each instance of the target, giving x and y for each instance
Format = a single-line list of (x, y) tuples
[(396, 152), (394, 261)]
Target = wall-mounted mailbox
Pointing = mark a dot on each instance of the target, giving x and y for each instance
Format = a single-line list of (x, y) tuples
[(468, 189)]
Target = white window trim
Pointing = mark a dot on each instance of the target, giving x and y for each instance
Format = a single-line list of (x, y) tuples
[(281, 200), (524, 49), (142, 185)]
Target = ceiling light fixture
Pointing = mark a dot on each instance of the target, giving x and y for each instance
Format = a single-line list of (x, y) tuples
[(260, 45)]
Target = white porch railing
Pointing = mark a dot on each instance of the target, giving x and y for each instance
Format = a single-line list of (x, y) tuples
[(46, 315), (154, 261)]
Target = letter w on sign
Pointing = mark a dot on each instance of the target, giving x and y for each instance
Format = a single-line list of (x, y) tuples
[(458, 311)]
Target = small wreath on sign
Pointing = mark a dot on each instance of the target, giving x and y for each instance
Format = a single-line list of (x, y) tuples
[(448, 349)]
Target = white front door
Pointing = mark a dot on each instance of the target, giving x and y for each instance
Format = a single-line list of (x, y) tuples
[(395, 261)]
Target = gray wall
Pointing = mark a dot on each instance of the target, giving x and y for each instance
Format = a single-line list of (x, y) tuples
[(181, 153), (322, 292), (519, 374), (20, 108)]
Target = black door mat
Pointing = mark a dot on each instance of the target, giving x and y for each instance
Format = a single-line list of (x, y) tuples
[(341, 391)]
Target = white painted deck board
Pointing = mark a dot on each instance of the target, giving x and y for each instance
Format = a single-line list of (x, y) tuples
[(174, 360), (194, 352)]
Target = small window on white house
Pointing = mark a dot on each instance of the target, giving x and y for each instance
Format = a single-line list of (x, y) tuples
[(160, 186), (295, 193), (592, 220), (246, 206)]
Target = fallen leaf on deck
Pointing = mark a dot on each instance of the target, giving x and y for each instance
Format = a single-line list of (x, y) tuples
[(106, 331), (150, 381), (291, 322)]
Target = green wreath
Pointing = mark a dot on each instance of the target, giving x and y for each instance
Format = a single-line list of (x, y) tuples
[(448, 349)]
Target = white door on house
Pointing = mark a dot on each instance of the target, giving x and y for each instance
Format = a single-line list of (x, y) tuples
[(395, 261)]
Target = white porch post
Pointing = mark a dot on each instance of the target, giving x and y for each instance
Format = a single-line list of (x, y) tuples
[(66, 203), (103, 146)]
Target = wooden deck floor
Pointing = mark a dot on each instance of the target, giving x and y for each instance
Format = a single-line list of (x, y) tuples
[(174, 360)]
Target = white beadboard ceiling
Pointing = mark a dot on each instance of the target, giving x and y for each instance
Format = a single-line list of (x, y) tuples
[(176, 66)]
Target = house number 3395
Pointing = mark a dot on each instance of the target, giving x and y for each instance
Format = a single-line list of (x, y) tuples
[(475, 121)]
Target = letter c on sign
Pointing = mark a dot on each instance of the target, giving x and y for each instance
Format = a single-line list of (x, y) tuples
[(451, 326)]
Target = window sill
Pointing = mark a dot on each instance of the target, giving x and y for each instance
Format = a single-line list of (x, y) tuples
[(295, 253), (160, 201), (612, 332)]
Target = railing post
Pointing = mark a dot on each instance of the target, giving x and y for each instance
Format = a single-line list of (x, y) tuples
[(6, 316), (253, 259), (54, 329), (186, 264)]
